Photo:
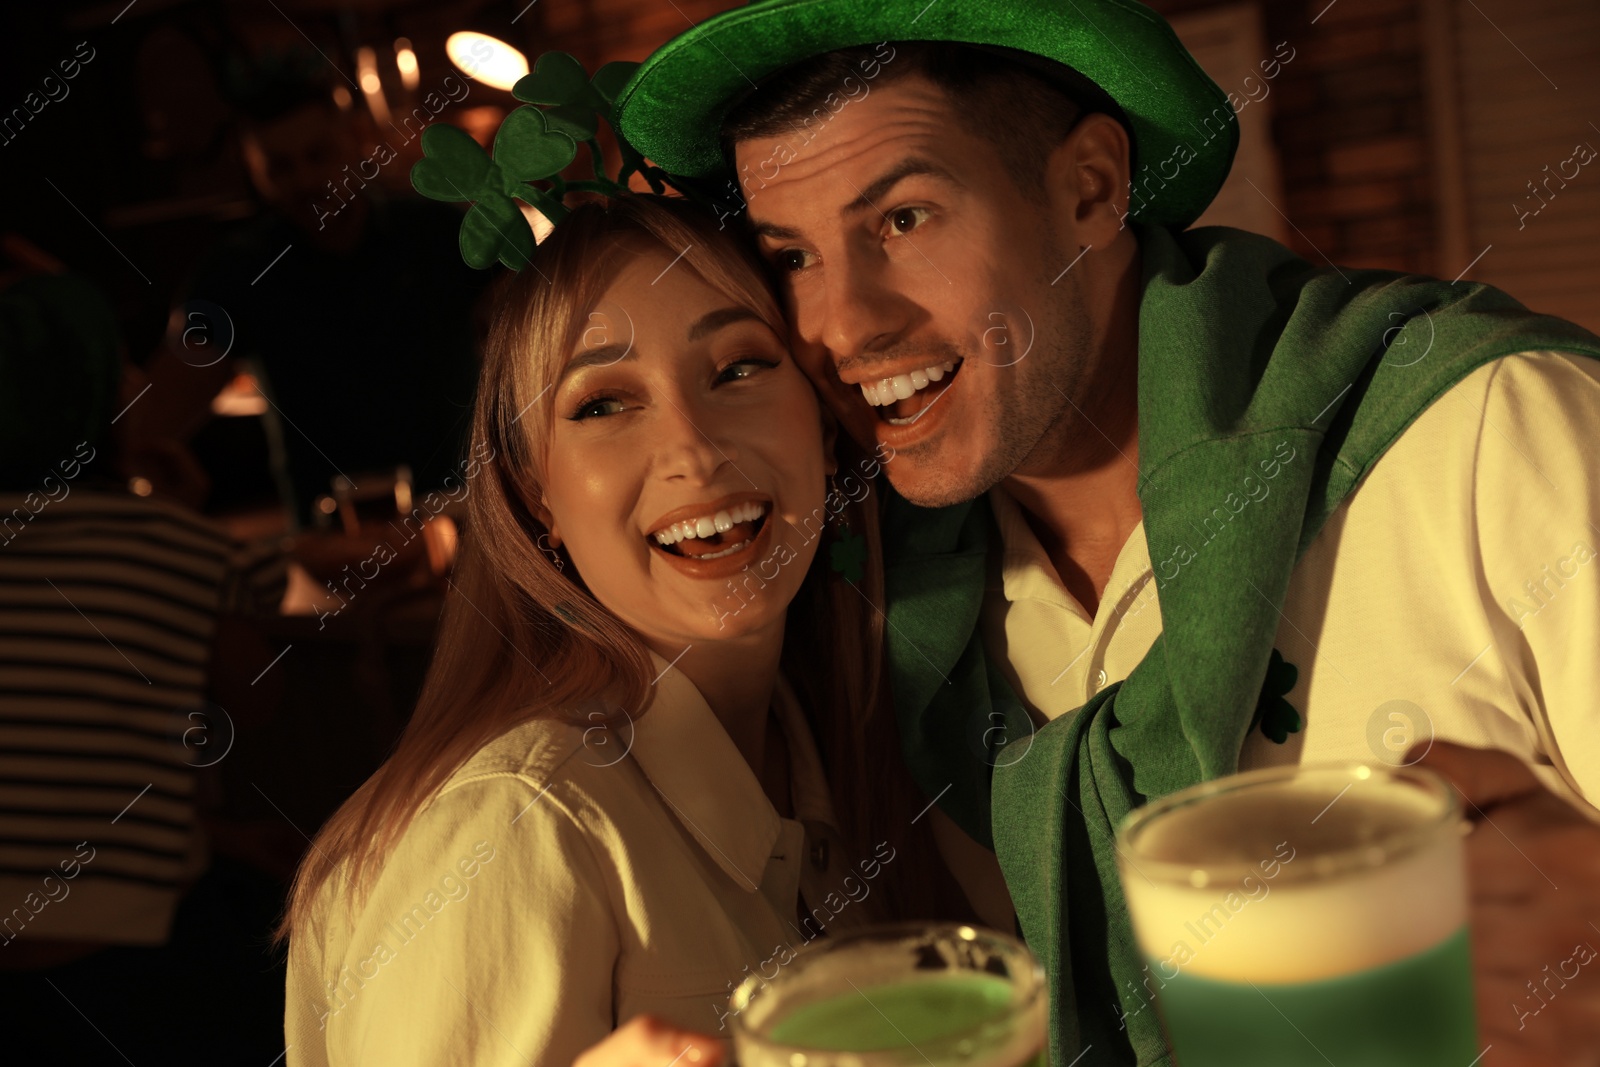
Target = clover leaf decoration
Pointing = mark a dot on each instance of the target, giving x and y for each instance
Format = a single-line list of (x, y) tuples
[(534, 144), (1274, 714)]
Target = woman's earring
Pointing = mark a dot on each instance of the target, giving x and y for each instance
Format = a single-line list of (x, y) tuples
[(848, 553), (548, 546)]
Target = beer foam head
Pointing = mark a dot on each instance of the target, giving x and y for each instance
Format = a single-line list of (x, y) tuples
[(1286, 876)]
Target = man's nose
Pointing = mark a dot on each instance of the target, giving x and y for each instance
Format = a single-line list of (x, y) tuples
[(861, 313)]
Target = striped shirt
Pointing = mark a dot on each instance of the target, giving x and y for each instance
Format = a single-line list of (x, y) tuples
[(108, 606)]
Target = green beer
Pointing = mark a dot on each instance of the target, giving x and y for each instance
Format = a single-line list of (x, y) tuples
[(940, 995), (1304, 916)]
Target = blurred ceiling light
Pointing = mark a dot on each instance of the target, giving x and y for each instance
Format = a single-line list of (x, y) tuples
[(486, 59), (371, 84), (341, 96), (406, 60), (242, 396)]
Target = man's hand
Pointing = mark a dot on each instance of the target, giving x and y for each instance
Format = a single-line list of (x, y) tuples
[(645, 1041), (1533, 869)]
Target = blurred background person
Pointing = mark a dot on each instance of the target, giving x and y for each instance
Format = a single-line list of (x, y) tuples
[(363, 346), (111, 903)]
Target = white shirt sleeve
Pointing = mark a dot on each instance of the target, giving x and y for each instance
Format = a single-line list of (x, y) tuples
[(1537, 509), (488, 939)]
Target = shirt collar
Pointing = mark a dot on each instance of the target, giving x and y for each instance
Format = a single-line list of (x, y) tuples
[(1027, 573), (692, 762)]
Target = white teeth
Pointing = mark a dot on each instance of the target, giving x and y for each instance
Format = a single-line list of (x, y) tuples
[(705, 526), (730, 550), (886, 391)]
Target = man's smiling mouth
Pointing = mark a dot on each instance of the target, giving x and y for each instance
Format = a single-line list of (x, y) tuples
[(904, 398)]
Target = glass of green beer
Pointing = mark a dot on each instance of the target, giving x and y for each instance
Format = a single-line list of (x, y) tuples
[(888, 996), (1304, 916)]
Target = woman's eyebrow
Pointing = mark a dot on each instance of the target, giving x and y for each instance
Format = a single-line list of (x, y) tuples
[(706, 324), (603, 356), (712, 321)]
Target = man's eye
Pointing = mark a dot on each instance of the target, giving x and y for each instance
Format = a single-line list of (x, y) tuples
[(903, 220), (793, 259), (600, 405)]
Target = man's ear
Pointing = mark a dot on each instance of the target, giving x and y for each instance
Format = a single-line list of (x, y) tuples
[(1087, 176), (830, 438)]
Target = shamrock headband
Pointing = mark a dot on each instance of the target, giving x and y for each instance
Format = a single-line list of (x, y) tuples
[(533, 146)]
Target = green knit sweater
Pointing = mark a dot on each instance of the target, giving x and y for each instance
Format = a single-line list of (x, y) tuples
[(1242, 345)]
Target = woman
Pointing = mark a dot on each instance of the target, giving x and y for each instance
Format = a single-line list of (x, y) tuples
[(610, 802)]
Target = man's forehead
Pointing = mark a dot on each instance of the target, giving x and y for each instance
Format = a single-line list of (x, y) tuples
[(844, 149)]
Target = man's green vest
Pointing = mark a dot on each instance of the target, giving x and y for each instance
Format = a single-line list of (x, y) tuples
[(1242, 346)]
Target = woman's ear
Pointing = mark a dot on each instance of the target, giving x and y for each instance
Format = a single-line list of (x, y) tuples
[(542, 513), (830, 438)]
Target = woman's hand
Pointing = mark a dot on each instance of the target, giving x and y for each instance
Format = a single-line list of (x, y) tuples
[(645, 1041)]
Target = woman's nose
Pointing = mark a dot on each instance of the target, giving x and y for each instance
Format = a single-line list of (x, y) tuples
[(692, 445)]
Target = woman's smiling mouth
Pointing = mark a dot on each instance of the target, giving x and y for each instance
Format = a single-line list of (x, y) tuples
[(711, 533)]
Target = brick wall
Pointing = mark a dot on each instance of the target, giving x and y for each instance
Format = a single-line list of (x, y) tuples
[(1352, 126)]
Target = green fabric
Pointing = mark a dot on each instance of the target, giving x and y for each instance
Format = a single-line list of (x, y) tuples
[(533, 144), (672, 109), (1242, 345)]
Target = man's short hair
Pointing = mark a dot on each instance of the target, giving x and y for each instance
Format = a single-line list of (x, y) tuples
[(1022, 104)]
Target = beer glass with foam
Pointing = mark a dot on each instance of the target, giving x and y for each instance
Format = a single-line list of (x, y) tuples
[(1304, 915)]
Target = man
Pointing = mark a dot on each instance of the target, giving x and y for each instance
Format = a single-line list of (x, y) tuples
[(1190, 502)]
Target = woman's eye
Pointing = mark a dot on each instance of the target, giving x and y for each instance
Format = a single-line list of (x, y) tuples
[(793, 259), (744, 368), (600, 405), (903, 220)]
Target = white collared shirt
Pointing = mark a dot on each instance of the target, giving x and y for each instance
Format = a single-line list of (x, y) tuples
[(1455, 594), (566, 880)]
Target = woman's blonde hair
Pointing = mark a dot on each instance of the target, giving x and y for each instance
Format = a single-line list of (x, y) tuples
[(521, 636)]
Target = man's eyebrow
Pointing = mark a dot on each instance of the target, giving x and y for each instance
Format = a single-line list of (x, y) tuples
[(876, 190), (879, 187), (774, 231), (712, 321)]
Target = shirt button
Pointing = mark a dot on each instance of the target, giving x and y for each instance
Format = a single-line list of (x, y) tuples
[(819, 855), (1099, 680)]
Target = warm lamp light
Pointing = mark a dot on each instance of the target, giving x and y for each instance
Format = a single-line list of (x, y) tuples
[(405, 59), (371, 84), (486, 59)]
